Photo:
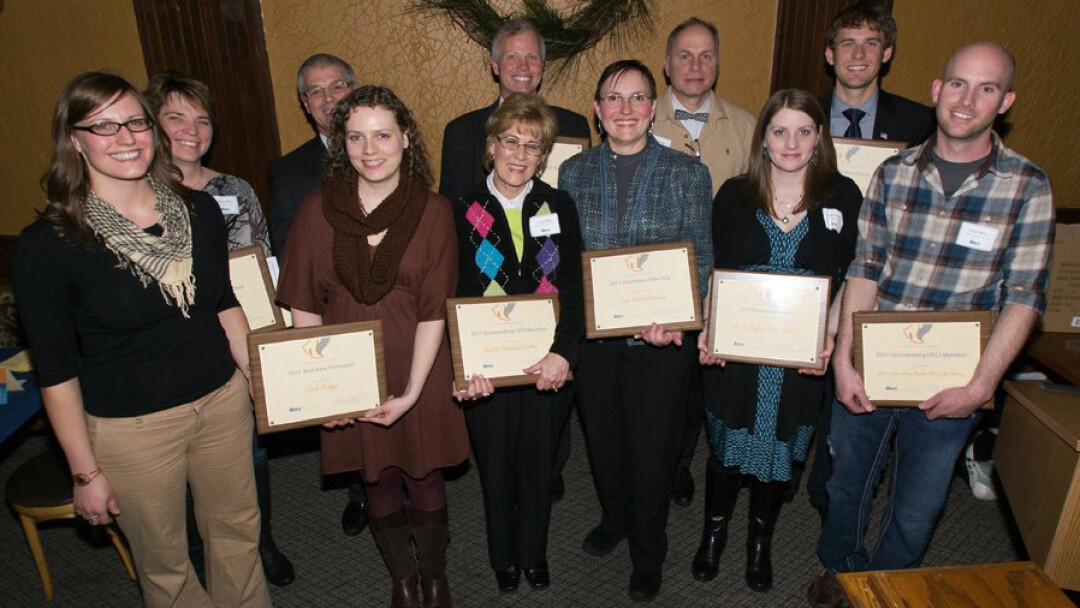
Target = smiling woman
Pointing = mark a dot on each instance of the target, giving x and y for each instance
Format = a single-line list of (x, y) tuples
[(376, 244), (123, 282)]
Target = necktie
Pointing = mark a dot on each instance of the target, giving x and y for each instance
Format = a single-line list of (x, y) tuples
[(854, 116), (684, 115)]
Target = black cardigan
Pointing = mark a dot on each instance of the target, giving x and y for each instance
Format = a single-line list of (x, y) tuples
[(525, 277)]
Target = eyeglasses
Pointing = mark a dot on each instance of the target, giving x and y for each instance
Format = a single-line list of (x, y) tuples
[(335, 88), (511, 143), (135, 125), (614, 100)]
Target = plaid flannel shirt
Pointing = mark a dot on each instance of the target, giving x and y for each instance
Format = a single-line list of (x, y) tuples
[(985, 247)]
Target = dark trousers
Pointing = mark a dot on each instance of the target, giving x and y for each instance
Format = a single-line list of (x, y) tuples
[(633, 406), (695, 417), (515, 434)]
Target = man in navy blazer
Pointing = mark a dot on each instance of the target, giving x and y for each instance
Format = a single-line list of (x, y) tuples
[(321, 82), (517, 60), (859, 42)]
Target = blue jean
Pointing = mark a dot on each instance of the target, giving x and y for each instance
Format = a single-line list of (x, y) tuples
[(924, 454)]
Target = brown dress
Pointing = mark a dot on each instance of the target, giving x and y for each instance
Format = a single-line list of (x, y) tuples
[(432, 434)]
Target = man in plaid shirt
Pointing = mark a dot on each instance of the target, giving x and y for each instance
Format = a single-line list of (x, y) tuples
[(958, 223)]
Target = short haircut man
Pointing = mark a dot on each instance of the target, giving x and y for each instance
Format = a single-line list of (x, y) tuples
[(690, 117), (518, 56), (321, 82), (958, 223), (859, 44)]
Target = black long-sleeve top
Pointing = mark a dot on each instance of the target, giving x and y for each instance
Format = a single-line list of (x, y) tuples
[(546, 261), (133, 353)]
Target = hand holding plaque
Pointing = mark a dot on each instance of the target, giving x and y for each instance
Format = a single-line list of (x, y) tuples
[(769, 319), (905, 358), (629, 290)]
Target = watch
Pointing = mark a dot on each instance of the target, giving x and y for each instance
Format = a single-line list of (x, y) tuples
[(84, 479)]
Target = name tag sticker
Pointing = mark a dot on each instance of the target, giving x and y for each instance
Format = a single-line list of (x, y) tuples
[(229, 205), (662, 140), (834, 220), (976, 236), (544, 225)]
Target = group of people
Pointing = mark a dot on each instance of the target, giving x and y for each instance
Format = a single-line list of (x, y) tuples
[(123, 281)]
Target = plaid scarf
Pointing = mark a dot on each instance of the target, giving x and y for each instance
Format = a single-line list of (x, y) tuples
[(165, 259)]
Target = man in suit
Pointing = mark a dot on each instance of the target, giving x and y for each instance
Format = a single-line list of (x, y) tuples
[(321, 82), (858, 44), (517, 61), (691, 118)]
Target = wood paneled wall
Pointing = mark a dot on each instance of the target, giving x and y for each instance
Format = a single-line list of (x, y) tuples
[(220, 42)]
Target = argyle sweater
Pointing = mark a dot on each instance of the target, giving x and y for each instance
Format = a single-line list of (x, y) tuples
[(488, 263)]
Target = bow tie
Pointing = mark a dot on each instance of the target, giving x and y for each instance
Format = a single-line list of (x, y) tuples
[(684, 115)]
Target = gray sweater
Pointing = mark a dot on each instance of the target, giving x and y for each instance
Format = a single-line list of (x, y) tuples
[(674, 206)]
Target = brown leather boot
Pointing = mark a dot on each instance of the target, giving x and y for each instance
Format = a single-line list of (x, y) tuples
[(393, 536), (430, 531)]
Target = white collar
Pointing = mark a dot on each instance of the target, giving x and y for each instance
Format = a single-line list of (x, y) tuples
[(508, 203)]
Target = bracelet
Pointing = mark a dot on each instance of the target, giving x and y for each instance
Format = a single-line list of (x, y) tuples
[(84, 479)]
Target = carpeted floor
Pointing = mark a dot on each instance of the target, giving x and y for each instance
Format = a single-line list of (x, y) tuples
[(335, 570)]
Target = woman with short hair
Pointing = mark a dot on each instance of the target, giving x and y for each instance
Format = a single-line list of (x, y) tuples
[(518, 235)]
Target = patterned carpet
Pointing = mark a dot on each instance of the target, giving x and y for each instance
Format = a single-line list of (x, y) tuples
[(335, 570)]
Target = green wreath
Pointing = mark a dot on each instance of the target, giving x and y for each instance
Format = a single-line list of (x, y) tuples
[(566, 37)]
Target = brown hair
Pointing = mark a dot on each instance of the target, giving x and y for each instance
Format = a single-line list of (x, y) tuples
[(195, 92), (527, 109), (820, 174), (869, 14), (67, 182), (414, 162), (615, 70)]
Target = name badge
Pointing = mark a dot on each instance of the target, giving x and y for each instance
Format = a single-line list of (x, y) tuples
[(976, 236), (834, 220), (229, 205), (663, 141), (544, 225)]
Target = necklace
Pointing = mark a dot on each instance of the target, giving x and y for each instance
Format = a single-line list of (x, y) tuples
[(787, 207)]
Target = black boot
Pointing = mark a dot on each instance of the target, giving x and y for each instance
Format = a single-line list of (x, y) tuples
[(431, 533), (278, 569), (721, 492), (393, 535), (764, 508)]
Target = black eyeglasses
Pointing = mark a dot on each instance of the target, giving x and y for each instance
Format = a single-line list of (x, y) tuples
[(135, 125)]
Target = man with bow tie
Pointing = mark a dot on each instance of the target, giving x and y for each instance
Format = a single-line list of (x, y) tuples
[(690, 117)]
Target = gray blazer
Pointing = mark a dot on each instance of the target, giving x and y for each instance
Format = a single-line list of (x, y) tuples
[(676, 205)]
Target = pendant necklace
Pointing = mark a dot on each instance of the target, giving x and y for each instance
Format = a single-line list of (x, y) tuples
[(787, 207)]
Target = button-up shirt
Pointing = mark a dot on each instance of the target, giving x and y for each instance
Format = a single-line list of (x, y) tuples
[(838, 123), (986, 246)]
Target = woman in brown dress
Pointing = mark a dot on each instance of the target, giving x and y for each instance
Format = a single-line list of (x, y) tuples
[(375, 243)]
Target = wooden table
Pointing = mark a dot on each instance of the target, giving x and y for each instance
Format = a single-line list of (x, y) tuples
[(1013, 585), (1059, 353), (1037, 456)]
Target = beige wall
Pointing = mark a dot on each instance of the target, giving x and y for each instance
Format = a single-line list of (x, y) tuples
[(1040, 34), (440, 73), (44, 43)]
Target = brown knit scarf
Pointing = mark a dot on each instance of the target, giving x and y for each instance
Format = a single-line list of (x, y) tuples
[(369, 280)]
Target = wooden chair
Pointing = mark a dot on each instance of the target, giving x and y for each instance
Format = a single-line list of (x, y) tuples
[(40, 490)]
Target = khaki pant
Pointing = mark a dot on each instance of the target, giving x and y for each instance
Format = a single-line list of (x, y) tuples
[(148, 460)]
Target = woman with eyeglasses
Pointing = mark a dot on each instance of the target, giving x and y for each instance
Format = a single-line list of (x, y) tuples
[(791, 213), (139, 343), (183, 108), (376, 244), (518, 235), (631, 191)]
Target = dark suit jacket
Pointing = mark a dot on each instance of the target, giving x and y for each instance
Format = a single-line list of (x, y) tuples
[(463, 148), (897, 118), (291, 178)]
